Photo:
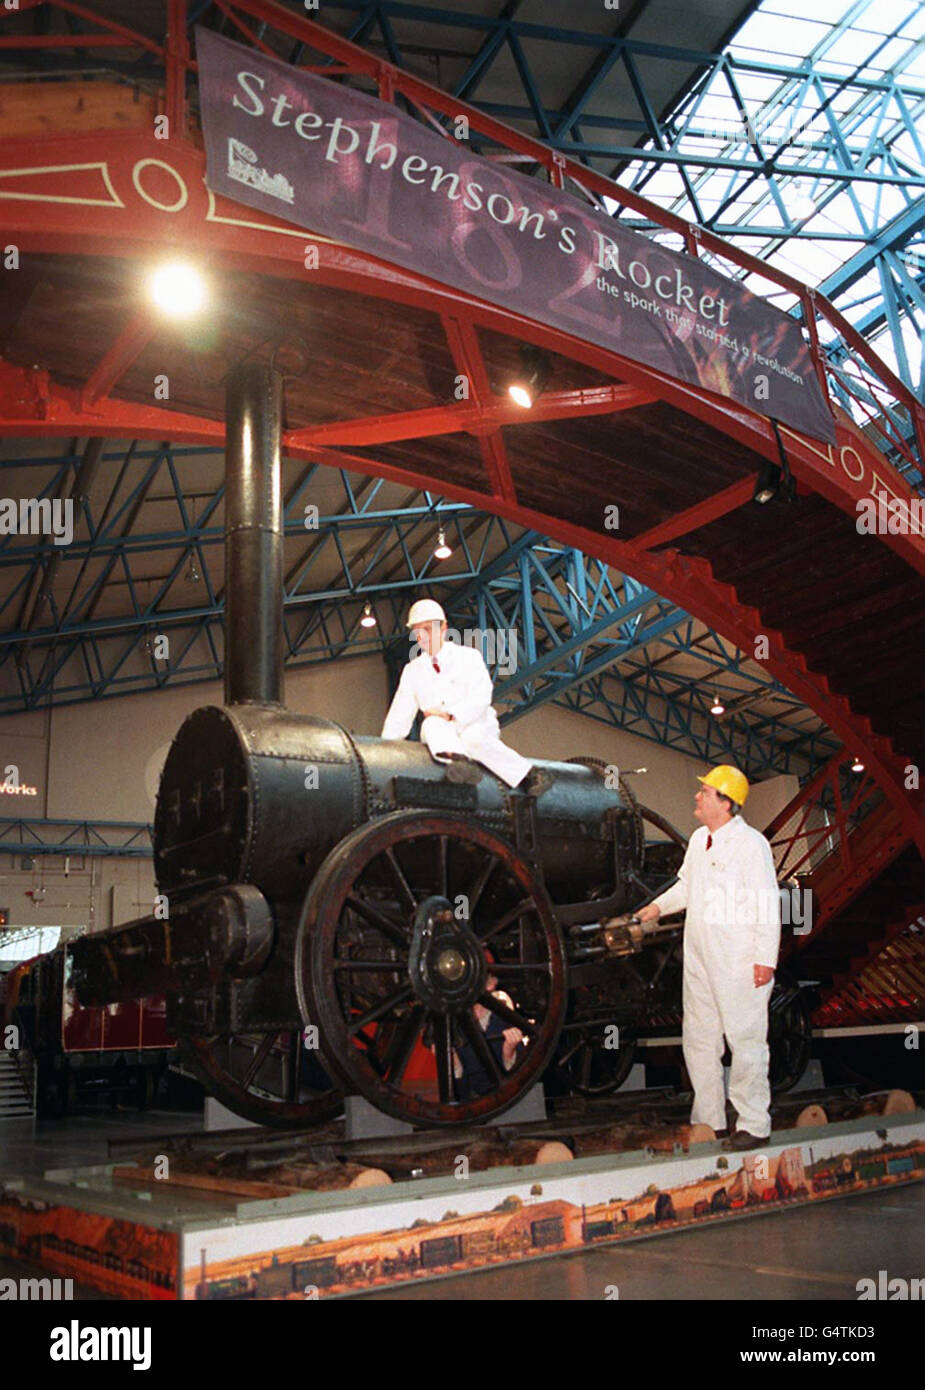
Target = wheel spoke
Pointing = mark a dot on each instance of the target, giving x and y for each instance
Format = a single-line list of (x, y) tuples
[(295, 1059), (502, 968), (566, 1056), (510, 1016), (481, 882), (443, 885), (443, 1049), (480, 1046), (369, 967), (398, 1053), (587, 1057), (380, 1010), (401, 883), (516, 911), (260, 1056), (374, 918)]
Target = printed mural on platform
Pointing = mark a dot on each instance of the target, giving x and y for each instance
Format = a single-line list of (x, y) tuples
[(413, 1236), (356, 169)]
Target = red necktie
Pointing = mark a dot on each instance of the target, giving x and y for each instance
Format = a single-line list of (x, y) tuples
[(436, 666), (709, 842)]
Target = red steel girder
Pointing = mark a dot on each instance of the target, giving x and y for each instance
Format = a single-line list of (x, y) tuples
[(470, 418), (699, 515), (467, 355), (132, 38), (129, 345)]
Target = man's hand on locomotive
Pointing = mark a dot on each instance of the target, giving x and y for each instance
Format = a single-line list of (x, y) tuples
[(762, 974)]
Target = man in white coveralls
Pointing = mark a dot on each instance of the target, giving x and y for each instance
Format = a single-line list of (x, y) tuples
[(450, 685), (728, 885)]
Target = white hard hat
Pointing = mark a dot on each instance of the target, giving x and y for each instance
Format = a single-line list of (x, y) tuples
[(426, 610)]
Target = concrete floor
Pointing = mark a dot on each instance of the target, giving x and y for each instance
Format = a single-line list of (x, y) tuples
[(810, 1254)]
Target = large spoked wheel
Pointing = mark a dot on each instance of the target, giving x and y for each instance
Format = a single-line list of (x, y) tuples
[(790, 1034), (402, 926), (595, 1059), (262, 1077)]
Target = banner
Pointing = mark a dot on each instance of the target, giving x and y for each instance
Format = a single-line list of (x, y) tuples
[(353, 168)]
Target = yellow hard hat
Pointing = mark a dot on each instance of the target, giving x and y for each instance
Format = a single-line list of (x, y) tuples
[(729, 781)]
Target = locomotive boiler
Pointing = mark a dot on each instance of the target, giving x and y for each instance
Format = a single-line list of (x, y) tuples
[(329, 906)]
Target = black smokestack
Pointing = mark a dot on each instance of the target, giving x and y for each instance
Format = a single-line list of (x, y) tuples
[(253, 537)]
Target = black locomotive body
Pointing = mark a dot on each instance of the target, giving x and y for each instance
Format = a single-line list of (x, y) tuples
[(331, 908)]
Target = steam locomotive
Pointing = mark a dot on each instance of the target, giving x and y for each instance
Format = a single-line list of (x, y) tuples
[(328, 904)]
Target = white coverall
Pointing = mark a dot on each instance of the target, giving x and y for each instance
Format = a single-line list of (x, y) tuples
[(733, 924), (462, 687)]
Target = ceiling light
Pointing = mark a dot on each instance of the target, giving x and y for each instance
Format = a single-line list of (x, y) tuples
[(531, 379), (767, 485), (369, 618), (442, 551), (177, 289), (857, 765), (717, 706)]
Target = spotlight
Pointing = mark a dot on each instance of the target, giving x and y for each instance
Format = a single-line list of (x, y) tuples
[(442, 551), (857, 765), (768, 482), (531, 379), (369, 618), (177, 289), (717, 706)]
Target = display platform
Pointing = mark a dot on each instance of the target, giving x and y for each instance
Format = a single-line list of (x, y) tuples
[(167, 1229)]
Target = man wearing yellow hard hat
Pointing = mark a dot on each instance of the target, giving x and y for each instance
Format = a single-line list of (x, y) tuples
[(728, 886), (450, 685)]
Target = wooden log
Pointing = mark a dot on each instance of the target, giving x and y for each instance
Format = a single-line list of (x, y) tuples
[(700, 1134), (812, 1115), (330, 1177)]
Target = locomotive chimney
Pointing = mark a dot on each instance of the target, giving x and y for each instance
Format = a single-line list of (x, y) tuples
[(253, 536)]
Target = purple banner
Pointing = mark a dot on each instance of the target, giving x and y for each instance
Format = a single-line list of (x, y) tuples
[(353, 168)]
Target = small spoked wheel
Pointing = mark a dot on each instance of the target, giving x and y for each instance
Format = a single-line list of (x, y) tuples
[(790, 1033), (262, 1077), (595, 1058), (430, 958)]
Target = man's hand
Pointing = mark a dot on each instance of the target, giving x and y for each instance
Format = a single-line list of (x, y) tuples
[(513, 1037), (648, 913), (764, 974)]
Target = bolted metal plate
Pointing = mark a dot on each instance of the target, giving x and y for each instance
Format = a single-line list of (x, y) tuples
[(452, 796)]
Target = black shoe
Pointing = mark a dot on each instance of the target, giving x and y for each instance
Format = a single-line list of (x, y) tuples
[(741, 1139), (461, 770), (537, 781)]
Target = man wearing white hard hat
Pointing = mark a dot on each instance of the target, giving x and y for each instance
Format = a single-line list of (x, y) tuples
[(451, 687), (728, 885)]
